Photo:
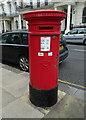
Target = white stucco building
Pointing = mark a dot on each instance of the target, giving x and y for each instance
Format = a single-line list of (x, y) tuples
[(76, 13), (11, 12)]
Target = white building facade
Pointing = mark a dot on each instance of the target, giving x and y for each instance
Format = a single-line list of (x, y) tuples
[(76, 13), (11, 13)]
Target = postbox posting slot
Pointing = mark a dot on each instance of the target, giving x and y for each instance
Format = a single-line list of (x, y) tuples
[(43, 28), (46, 28)]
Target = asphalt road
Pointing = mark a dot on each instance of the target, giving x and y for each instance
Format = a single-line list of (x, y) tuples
[(72, 69)]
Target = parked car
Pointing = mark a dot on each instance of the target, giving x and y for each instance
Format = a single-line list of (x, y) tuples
[(15, 48), (77, 35)]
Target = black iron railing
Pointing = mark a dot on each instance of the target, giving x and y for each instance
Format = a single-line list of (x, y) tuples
[(33, 6)]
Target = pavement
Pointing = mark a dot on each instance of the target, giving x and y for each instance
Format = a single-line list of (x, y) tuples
[(68, 107), (15, 103)]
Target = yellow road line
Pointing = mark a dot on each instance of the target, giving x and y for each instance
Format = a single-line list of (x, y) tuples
[(71, 83)]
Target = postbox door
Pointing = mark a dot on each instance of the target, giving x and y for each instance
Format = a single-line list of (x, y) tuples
[(45, 51)]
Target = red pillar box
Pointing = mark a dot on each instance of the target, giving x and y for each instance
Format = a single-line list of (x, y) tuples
[(44, 39)]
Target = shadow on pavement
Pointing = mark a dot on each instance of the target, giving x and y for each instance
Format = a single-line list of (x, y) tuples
[(10, 64)]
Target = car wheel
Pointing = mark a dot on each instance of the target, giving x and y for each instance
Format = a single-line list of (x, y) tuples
[(23, 63)]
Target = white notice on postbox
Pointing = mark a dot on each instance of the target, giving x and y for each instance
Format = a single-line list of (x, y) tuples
[(50, 53), (40, 54), (45, 44)]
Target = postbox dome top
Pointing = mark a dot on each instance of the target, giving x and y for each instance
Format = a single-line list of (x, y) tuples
[(44, 14)]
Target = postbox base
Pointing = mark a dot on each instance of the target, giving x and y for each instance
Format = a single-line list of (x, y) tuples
[(43, 98)]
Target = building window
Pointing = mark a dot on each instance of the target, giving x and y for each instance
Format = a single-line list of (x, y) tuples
[(22, 23), (9, 4), (2, 26), (46, 2), (65, 10), (38, 3), (16, 24), (10, 26), (84, 15)]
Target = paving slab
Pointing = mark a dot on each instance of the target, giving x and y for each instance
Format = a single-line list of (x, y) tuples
[(15, 84), (0, 77), (80, 94), (0, 91), (45, 110), (6, 98), (12, 68), (24, 74), (18, 89), (68, 107), (73, 91), (0, 98), (68, 89), (20, 109), (0, 114), (10, 78)]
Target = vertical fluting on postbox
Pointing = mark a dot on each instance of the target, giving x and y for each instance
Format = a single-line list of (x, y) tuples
[(44, 40)]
